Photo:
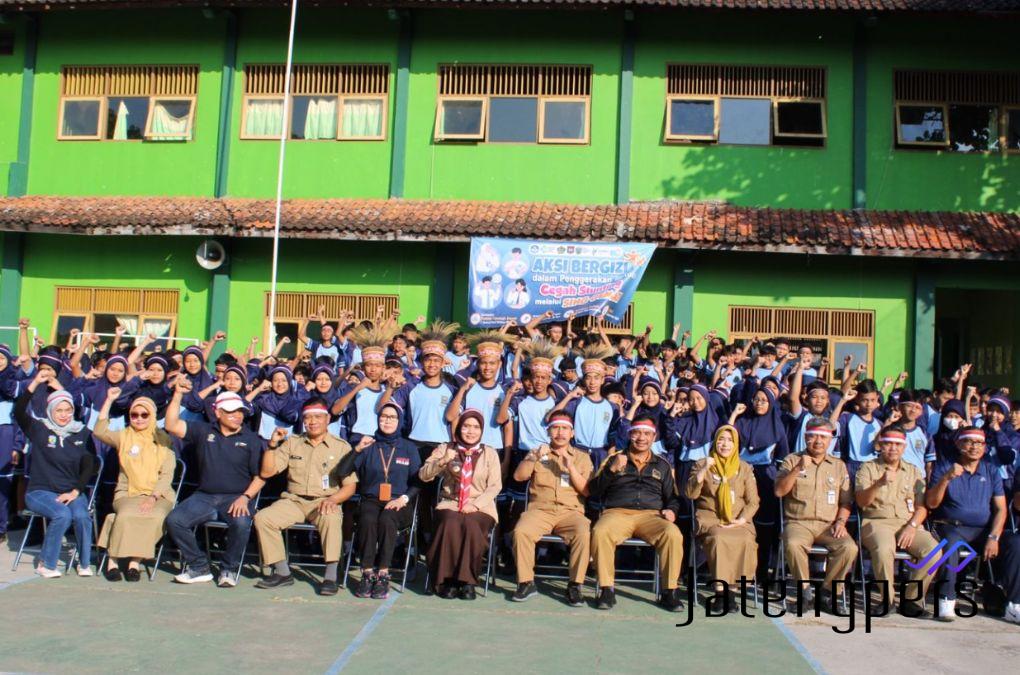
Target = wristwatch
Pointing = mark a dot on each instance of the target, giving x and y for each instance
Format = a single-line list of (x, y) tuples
[(993, 537), (912, 524)]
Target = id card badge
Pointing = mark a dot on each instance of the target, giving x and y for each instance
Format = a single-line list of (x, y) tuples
[(385, 492), (325, 481), (831, 497), (910, 505), (564, 480)]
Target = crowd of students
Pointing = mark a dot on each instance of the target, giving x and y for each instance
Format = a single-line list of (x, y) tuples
[(528, 430)]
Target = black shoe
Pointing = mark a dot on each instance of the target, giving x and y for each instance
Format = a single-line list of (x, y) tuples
[(328, 587), (113, 574), (910, 608), (364, 589), (447, 591), (3, 537), (381, 589), (525, 591), (132, 574), (827, 602), (574, 596), (670, 600), (734, 603), (606, 599), (467, 592), (275, 580)]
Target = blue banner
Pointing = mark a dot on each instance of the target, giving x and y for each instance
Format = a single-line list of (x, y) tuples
[(523, 278)]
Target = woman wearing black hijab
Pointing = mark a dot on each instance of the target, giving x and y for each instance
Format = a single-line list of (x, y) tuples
[(387, 482)]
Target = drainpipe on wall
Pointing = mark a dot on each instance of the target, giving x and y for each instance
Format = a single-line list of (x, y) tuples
[(399, 147), (625, 109), (860, 114), (226, 104)]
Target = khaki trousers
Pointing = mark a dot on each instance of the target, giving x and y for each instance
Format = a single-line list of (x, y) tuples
[(800, 535), (271, 521), (535, 524), (129, 533), (878, 535), (615, 526)]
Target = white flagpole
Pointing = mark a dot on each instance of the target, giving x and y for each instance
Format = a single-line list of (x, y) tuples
[(284, 133)]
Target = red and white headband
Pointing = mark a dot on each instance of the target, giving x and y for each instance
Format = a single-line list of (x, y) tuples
[(643, 424), (971, 435), (893, 437), (561, 422), (315, 409)]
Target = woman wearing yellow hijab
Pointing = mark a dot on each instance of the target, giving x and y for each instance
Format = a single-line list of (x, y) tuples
[(143, 496), (725, 498)]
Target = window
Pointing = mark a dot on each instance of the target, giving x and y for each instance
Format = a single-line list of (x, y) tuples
[(514, 104), (1012, 143), (625, 327), (127, 103), (831, 333), (328, 102), (294, 308), (692, 119), (101, 310), (745, 105), (957, 111)]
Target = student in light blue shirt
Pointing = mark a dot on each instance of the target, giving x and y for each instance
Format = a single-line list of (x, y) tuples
[(858, 429), (482, 392)]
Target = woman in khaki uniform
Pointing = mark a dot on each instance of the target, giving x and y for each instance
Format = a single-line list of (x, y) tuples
[(726, 499), (143, 497)]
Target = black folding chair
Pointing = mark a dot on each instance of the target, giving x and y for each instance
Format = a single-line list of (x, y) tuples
[(92, 488), (813, 551), (638, 576), (408, 533)]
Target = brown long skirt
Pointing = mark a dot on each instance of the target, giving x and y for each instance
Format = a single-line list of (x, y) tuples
[(457, 549), (128, 533)]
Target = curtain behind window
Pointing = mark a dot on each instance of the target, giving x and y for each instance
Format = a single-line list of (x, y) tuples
[(362, 117)]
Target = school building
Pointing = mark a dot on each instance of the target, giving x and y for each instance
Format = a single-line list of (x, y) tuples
[(841, 172)]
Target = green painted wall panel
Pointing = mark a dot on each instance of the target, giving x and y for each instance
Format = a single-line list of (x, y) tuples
[(796, 177), (932, 180), (524, 172), (313, 168), (10, 99), (886, 287), (407, 270), (178, 37), (165, 262)]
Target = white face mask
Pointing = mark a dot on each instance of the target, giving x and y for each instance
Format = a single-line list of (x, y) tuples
[(952, 422)]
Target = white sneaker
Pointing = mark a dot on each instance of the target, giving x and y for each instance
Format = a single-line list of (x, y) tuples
[(47, 573), (190, 577), (85, 571), (226, 580), (1013, 612), (947, 610)]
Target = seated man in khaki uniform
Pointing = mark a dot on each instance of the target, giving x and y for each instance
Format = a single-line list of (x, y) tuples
[(559, 475), (315, 490), (890, 494), (815, 488), (637, 489)]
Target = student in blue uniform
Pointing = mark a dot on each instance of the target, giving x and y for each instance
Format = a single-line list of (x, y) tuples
[(857, 429), (695, 430), (815, 402), (459, 355), (920, 450), (277, 402), (339, 349), (647, 402), (1002, 441), (482, 391), (360, 401)]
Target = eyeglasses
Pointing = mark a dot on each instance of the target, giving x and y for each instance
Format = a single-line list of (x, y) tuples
[(388, 417), (140, 415)]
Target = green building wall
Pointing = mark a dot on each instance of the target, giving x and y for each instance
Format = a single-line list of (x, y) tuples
[(935, 180), (178, 37), (164, 262), (313, 168), (885, 287), (503, 171), (793, 177), (11, 68)]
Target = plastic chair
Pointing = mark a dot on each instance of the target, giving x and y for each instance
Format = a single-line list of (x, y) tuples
[(93, 488), (410, 532)]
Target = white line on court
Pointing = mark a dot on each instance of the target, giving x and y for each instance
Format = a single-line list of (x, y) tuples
[(363, 634), (8, 584), (801, 649)]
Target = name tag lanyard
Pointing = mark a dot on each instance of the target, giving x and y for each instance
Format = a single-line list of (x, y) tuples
[(385, 488)]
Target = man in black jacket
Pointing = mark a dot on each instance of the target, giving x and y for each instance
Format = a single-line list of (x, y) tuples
[(636, 487)]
